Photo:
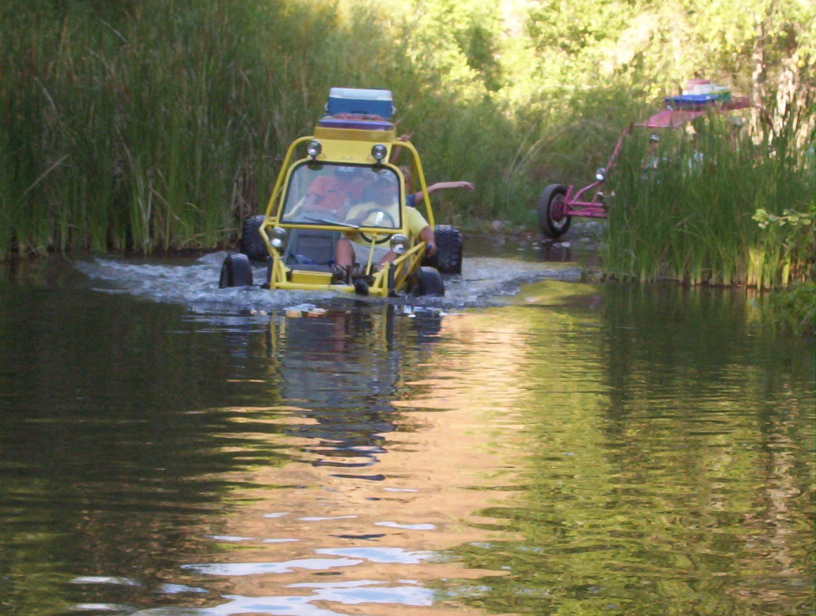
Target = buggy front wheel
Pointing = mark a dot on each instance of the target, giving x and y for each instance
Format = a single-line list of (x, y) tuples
[(236, 271), (429, 282), (552, 217)]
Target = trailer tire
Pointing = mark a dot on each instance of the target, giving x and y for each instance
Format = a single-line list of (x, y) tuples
[(552, 221)]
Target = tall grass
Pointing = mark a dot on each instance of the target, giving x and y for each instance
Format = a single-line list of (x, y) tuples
[(153, 125), (155, 128), (686, 210), (147, 125)]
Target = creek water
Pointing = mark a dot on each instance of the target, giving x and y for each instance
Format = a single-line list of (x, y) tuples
[(530, 444)]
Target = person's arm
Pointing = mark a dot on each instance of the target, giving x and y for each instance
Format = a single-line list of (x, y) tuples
[(444, 186), (419, 228), (447, 185), (427, 236), (398, 148)]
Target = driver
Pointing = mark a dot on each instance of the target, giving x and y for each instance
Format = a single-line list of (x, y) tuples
[(331, 194)]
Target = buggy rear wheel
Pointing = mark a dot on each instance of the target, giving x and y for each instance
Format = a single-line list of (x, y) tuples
[(252, 244), (236, 271), (448, 257), (552, 217)]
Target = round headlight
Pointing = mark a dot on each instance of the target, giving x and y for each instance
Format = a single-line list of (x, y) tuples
[(313, 149), (378, 152), (277, 237), (399, 243)]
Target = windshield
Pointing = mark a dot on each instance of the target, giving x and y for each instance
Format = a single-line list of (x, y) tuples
[(346, 195)]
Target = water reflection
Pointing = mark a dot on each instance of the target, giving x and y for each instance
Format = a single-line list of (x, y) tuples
[(344, 370), (363, 499), (670, 466), (615, 449)]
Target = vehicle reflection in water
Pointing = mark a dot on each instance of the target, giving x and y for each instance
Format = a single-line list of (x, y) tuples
[(556, 252), (367, 497), (351, 408)]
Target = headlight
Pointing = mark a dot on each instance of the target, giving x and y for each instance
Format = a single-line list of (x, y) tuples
[(600, 174), (378, 152), (277, 237), (314, 149), (399, 243)]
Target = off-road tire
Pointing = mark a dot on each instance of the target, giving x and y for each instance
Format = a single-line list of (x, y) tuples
[(449, 246), (429, 282), (252, 244), (236, 271)]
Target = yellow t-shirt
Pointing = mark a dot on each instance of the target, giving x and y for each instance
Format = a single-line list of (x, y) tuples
[(414, 220)]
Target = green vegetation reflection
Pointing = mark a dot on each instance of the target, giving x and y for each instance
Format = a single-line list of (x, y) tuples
[(669, 469)]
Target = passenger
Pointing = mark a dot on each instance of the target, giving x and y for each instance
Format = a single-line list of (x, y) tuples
[(411, 198), (354, 249)]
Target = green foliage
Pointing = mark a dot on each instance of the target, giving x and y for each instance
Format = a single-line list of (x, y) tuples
[(688, 208), (795, 308), (146, 124)]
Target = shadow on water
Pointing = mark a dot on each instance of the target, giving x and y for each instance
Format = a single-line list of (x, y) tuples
[(107, 448)]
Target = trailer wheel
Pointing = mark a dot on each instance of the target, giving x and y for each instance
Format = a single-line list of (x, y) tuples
[(551, 217)]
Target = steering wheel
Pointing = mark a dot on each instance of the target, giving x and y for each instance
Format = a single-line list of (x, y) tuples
[(380, 216)]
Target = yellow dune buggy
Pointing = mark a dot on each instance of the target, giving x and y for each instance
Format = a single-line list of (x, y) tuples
[(338, 183)]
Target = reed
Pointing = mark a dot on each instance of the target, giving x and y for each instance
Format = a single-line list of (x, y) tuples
[(131, 131), (163, 127), (687, 210), (160, 125), (478, 142)]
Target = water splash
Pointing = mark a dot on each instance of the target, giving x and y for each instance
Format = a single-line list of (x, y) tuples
[(484, 281)]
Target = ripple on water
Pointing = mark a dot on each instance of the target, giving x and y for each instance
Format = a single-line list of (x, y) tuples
[(241, 569), (406, 593), (381, 554)]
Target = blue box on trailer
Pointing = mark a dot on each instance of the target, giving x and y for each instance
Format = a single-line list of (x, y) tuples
[(691, 100), (362, 102), (686, 101)]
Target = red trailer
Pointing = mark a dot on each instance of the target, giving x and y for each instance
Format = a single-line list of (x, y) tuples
[(558, 204)]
